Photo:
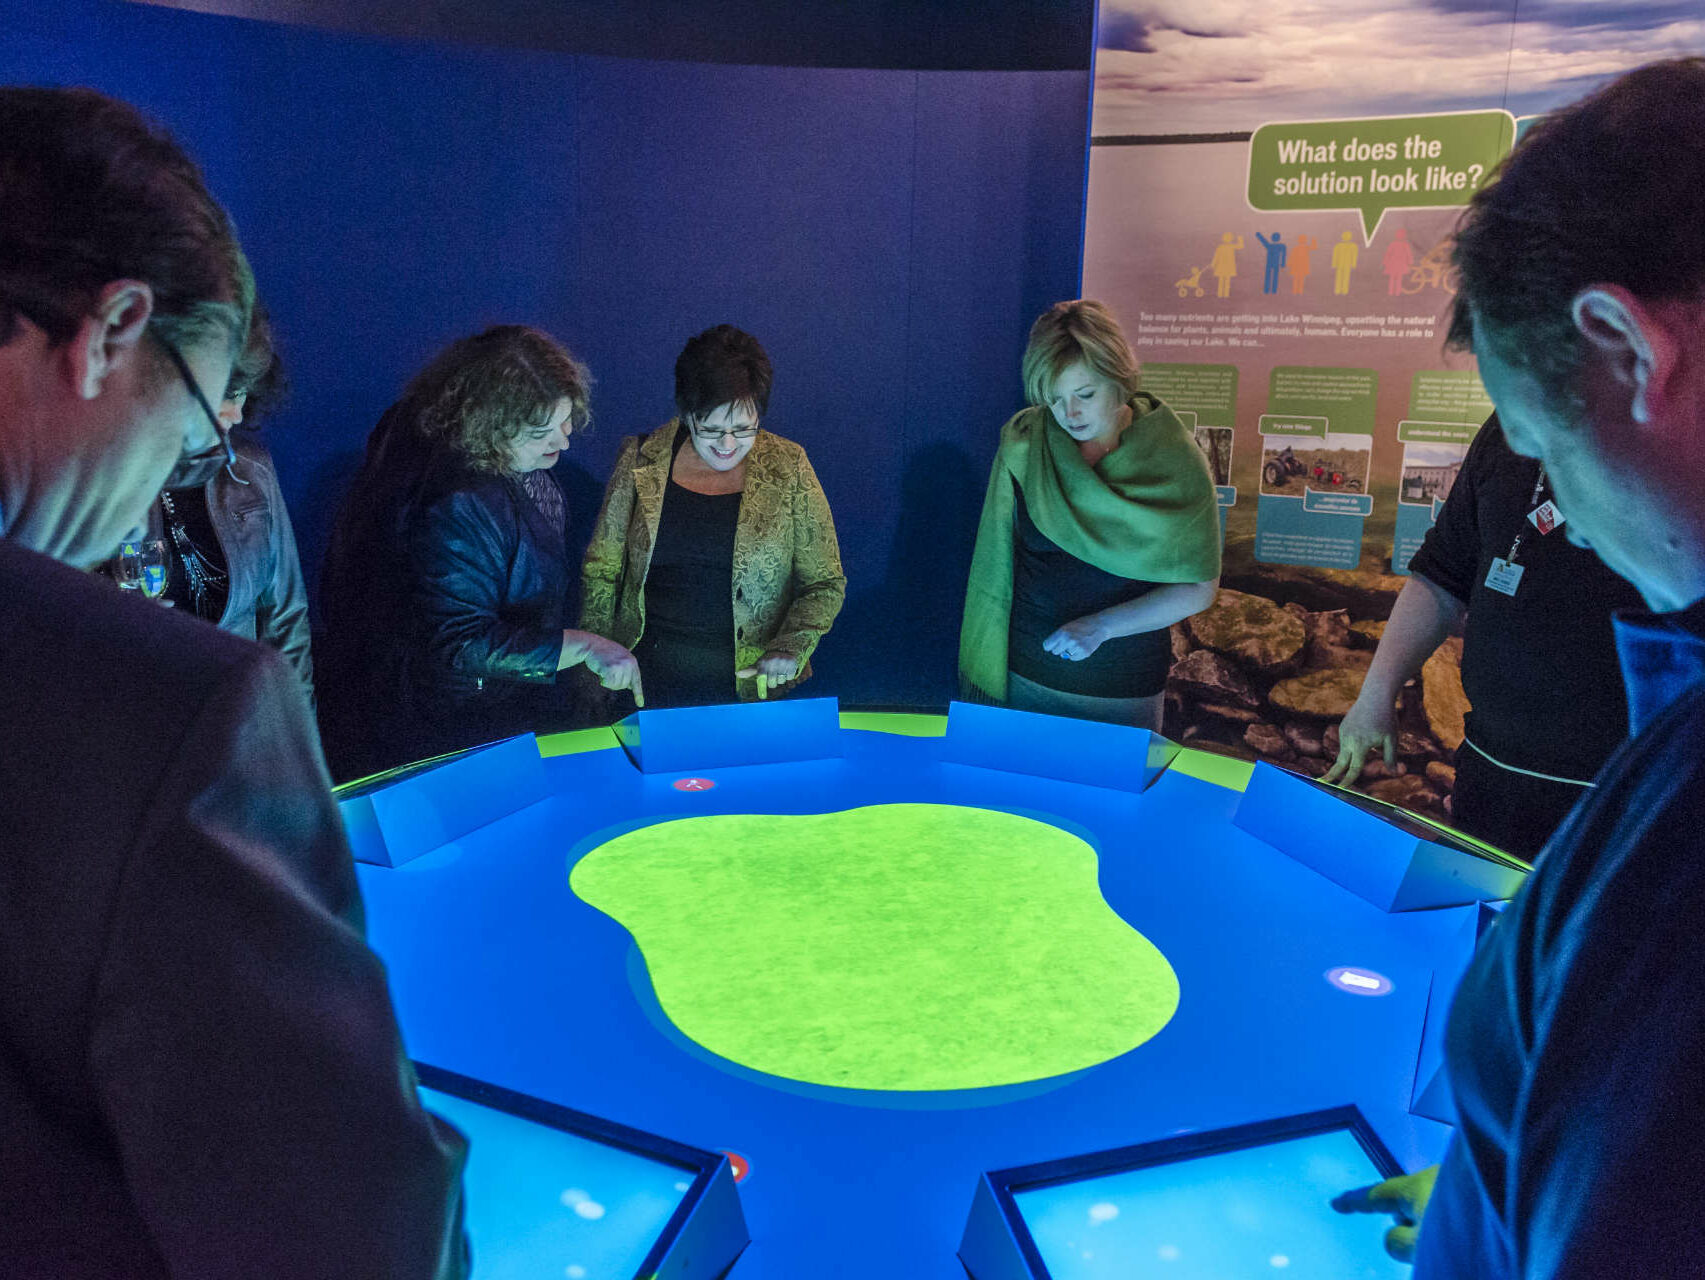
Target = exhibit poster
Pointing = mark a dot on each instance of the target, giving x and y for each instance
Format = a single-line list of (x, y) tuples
[(1272, 188)]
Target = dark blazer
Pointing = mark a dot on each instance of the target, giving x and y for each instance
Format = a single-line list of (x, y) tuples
[(200, 1071), (445, 597)]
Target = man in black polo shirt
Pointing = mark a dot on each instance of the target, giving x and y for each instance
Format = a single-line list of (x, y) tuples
[(1538, 659)]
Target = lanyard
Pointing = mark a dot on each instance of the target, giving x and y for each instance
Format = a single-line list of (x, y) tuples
[(1532, 504)]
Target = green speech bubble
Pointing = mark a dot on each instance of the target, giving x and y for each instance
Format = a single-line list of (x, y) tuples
[(1411, 432), (1371, 166), (1293, 424)]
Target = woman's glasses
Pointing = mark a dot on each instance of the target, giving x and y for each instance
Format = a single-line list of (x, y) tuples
[(702, 432)]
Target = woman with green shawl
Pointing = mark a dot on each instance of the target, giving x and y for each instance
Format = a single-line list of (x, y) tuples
[(1099, 531)]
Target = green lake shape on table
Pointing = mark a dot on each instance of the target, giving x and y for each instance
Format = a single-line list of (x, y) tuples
[(891, 947)]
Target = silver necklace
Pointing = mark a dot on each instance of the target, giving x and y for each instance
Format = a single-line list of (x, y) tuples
[(202, 573)]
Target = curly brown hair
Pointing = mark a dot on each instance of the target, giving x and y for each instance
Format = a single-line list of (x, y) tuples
[(480, 393)]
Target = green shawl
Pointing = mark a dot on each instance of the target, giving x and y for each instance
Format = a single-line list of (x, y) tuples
[(1146, 511)]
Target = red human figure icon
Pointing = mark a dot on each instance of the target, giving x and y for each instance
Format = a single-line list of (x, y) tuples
[(1399, 257)]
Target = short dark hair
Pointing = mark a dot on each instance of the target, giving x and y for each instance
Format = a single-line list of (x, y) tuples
[(722, 365), (91, 192), (480, 393), (1610, 190)]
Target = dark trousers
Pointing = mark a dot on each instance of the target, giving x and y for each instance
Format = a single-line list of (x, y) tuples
[(1510, 810)]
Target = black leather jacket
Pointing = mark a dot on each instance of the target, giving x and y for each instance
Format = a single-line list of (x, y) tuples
[(445, 601), (268, 600)]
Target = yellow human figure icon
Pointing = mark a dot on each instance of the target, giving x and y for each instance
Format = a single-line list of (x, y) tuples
[(1224, 263), (1344, 258)]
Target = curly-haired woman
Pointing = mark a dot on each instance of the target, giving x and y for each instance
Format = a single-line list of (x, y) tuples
[(447, 582), (715, 554)]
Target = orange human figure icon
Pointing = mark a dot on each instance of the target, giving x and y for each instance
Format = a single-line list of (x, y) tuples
[(1301, 249), (1399, 257), (1224, 263), (1345, 255)]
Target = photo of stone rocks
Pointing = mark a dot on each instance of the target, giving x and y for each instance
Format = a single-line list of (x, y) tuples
[(1269, 676)]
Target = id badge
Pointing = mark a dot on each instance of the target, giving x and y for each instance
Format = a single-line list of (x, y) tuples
[(1545, 517), (1504, 576)]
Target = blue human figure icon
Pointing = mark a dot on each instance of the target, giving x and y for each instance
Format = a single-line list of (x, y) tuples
[(1275, 261)]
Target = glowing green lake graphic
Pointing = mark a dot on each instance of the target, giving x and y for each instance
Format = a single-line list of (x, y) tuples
[(899, 947)]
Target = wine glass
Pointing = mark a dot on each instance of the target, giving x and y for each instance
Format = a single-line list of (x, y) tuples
[(141, 566)]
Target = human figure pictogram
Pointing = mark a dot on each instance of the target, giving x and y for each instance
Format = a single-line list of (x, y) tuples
[(1224, 263), (1345, 255), (1276, 249), (1399, 257), (1302, 248)]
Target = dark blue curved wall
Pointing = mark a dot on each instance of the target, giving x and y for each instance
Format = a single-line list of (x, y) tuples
[(888, 234)]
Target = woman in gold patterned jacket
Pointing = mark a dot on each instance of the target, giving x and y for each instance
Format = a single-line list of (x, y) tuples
[(714, 558)]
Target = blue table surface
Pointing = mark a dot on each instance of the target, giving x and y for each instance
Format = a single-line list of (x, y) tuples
[(500, 972), (1257, 1211), (535, 1192)]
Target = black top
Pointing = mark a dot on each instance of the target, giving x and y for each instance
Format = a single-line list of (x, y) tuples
[(1576, 1042), (194, 556), (1540, 667), (1051, 587), (687, 652)]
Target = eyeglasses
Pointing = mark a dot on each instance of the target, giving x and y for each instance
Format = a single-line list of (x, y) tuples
[(194, 469), (702, 432)]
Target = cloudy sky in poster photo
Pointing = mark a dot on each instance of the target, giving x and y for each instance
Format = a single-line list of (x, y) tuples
[(1204, 66)]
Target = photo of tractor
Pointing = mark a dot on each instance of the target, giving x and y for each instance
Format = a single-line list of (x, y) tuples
[(1280, 466), (1292, 469)]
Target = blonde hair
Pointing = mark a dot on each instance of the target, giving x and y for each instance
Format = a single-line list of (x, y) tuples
[(1067, 332)]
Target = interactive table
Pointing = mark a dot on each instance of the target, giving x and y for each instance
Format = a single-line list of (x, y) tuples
[(875, 978)]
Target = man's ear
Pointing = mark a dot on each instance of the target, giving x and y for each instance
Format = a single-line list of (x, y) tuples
[(1632, 342), (110, 336)]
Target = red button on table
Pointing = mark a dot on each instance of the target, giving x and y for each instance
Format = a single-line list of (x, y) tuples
[(693, 784)]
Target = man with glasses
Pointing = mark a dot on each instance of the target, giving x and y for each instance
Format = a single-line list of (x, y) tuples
[(201, 1072)]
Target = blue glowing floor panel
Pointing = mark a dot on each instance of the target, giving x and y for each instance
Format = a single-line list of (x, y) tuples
[(501, 973), (545, 1202), (1259, 1211)]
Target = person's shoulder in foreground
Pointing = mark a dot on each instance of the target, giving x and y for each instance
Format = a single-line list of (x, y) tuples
[(1577, 1040), (200, 1072), (202, 1061), (1580, 1147)]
